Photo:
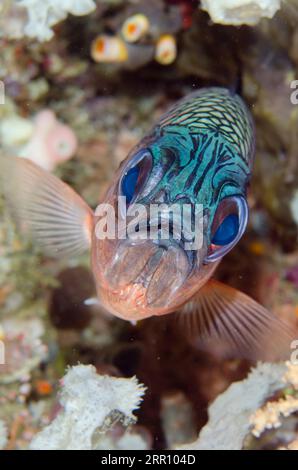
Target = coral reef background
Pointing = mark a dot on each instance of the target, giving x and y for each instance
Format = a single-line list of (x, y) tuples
[(80, 91)]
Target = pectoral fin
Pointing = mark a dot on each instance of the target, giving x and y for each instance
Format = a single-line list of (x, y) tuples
[(241, 326), (45, 208)]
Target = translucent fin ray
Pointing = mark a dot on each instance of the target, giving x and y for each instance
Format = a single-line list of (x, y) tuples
[(242, 327), (48, 210)]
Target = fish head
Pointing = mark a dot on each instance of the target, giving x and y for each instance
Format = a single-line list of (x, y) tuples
[(164, 225)]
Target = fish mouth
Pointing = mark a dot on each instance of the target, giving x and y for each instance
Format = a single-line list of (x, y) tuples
[(157, 268)]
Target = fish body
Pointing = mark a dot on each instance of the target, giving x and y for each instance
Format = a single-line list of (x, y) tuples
[(200, 152), (198, 159)]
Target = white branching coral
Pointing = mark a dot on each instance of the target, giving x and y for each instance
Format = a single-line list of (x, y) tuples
[(269, 416), (3, 435), (237, 12), (291, 376), (42, 15), (227, 430), (91, 404)]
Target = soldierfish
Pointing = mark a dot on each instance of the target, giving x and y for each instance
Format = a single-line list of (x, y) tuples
[(200, 152)]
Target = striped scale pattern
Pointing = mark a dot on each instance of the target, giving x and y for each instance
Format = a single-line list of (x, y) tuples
[(202, 151), (215, 110), (201, 168)]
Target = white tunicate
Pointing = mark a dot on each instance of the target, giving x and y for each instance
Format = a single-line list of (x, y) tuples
[(237, 12)]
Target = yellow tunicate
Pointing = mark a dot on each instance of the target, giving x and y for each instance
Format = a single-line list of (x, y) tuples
[(135, 27), (166, 50), (108, 49)]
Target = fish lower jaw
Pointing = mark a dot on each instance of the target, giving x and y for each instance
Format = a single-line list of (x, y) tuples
[(128, 303)]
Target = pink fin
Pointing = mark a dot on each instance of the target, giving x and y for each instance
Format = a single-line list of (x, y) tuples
[(219, 315), (55, 217)]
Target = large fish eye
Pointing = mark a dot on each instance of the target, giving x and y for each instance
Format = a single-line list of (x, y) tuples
[(129, 183), (228, 226), (135, 175), (227, 231)]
